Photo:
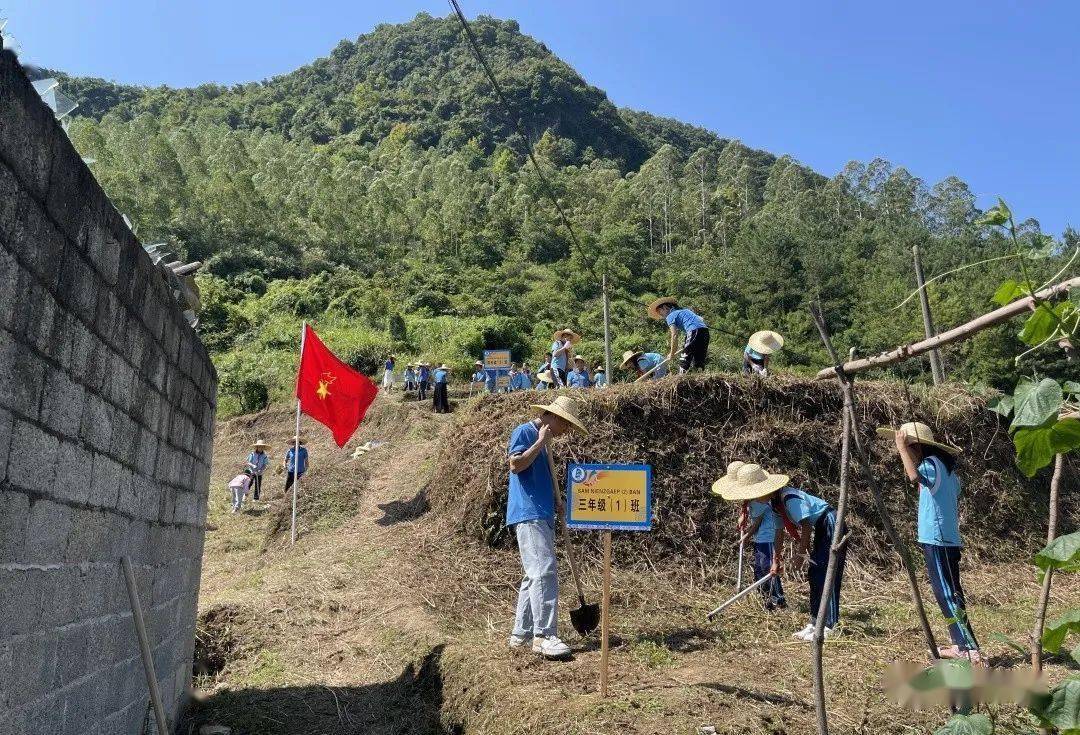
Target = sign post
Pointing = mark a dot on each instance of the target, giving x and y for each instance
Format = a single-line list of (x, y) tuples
[(608, 497), (497, 367)]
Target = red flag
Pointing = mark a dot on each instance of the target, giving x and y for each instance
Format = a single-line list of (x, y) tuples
[(330, 391)]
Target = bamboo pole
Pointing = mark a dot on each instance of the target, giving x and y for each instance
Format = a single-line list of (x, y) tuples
[(848, 389), (144, 646), (956, 334), (1044, 596), (296, 445), (936, 366), (607, 332)]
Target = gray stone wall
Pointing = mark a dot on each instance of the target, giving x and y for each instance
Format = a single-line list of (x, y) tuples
[(106, 412)]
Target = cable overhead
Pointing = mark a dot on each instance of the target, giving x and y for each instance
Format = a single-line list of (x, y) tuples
[(589, 264)]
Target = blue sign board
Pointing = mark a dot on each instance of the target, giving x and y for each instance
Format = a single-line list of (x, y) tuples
[(609, 497)]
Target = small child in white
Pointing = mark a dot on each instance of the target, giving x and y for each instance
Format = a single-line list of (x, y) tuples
[(239, 486)]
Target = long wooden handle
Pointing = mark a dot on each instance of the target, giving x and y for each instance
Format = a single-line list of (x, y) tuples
[(570, 554)]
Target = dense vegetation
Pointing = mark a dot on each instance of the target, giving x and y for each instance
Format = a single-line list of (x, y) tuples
[(382, 193)]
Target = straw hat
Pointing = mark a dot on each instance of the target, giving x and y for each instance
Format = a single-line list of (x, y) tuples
[(443, 367), (260, 444), (564, 334), (297, 438), (921, 433), (663, 301), (766, 342), (479, 362), (748, 482), (599, 368), (579, 357), (565, 408), (545, 377), (628, 356)]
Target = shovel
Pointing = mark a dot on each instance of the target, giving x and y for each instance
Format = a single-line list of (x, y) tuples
[(585, 617)]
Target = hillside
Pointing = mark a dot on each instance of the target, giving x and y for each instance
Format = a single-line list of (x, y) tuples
[(381, 194)]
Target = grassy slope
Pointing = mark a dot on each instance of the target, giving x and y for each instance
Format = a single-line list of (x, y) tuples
[(383, 620)]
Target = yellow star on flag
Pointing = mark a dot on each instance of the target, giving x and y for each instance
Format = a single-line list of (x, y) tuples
[(323, 389)]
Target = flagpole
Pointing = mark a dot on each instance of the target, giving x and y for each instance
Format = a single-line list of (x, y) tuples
[(296, 438)]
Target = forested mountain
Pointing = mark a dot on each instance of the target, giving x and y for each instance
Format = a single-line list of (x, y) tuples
[(382, 192)]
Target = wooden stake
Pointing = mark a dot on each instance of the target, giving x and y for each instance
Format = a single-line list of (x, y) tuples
[(605, 616), (607, 332), (144, 647), (1044, 596), (956, 334), (847, 387), (936, 366)]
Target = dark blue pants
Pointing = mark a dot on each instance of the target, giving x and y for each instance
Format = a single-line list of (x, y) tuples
[(773, 590), (824, 531), (943, 568)]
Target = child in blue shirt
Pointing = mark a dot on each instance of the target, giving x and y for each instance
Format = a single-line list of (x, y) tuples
[(679, 319), (764, 526), (932, 466), (579, 376), (599, 376), (441, 398), (257, 462)]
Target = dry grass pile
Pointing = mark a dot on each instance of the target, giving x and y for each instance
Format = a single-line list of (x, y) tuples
[(689, 429)]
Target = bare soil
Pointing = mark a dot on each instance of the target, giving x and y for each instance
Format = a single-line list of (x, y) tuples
[(390, 616)]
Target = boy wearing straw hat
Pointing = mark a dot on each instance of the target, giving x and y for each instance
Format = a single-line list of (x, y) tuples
[(423, 377), (300, 463), (931, 465), (545, 380), (758, 520), (696, 341), (758, 351), (599, 376), (410, 377), (561, 346), (530, 511), (441, 398), (257, 462), (642, 362), (579, 376)]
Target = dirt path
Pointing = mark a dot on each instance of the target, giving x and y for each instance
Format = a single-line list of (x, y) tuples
[(384, 620)]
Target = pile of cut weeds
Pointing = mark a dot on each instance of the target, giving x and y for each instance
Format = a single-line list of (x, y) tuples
[(688, 429)]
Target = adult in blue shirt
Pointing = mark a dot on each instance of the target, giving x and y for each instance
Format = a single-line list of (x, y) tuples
[(519, 379), (530, 511), (696, 341), (642, 362), (292, 465), (561, 346), (758, 520), (479, 376), (579, 376), (440, 398), (931, 465), (257, 462)]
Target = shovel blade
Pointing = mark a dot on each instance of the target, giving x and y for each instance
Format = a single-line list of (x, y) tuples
[(585, 618)]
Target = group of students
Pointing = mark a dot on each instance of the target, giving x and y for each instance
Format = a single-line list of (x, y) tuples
[(771, 508), (250, 479)]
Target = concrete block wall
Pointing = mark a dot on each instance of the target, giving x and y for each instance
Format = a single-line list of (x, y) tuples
[(106, 413)]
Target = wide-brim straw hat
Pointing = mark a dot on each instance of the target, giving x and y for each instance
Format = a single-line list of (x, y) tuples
[(545, 377), (444, 366), (479, 362), (766, 342), (662, 301), (260, 444), (565, 408), (570, 334), (628, 356), (921, 433), (748, 482), (579, 357), (297, 438)]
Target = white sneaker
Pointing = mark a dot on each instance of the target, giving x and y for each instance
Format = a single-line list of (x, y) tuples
[(550, 647), (517, 641), (801, 635), (809, 637)]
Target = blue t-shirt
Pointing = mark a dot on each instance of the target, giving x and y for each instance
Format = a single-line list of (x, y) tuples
[(531, 495), (753, 354), (425, 373), (599, 379), (939, 504), (479, 376), (578, 379), (561, 360), (390, 365), (685, 320), (289, 464), (650, 360), (802, 506), (440, 376), (520, 381), (257, 461), (770, 521)]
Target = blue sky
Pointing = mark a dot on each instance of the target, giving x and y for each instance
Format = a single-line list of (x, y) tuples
[(987, 91)]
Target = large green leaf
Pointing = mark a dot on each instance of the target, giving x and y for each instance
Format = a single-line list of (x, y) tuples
[(977, 724), (1055, 633), (1063, 553), (1009, 291), (1061, 707), (1038, 328), (1002, 405), (1036, 403), (1010, 642), (1033, 449), (995, 216), (1065, 436), (1071, 387)]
